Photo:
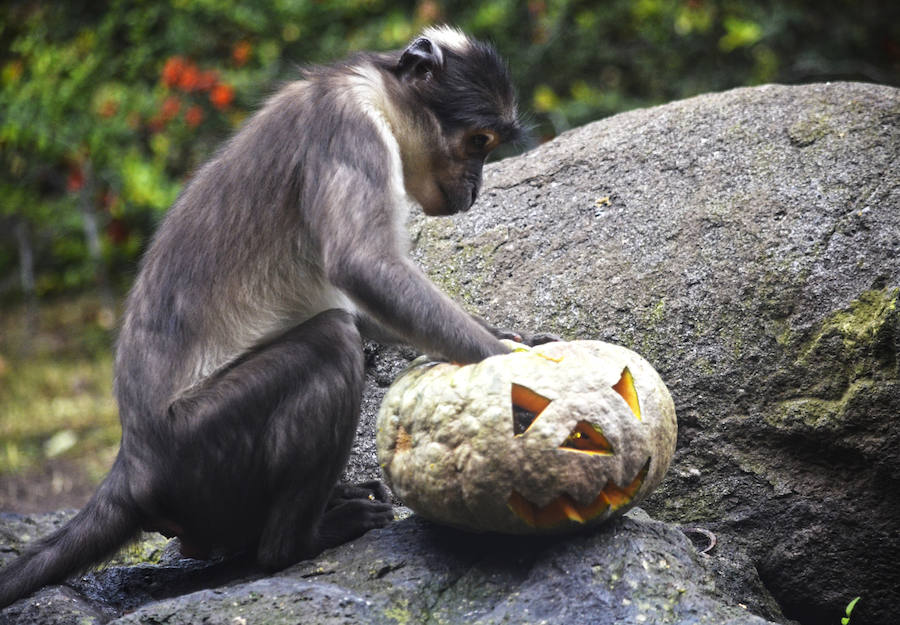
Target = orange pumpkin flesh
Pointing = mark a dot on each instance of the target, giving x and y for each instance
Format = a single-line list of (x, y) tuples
[(523, 397), (527, 405), (588, 438), (564, 508), (625, 388)]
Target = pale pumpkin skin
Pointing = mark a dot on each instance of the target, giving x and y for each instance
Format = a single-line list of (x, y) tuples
[(449, 450)]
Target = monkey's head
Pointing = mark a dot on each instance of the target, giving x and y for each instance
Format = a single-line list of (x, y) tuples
[(464, 106)]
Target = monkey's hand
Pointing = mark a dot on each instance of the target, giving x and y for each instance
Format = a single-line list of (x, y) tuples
[(537, 338), (529, 339)]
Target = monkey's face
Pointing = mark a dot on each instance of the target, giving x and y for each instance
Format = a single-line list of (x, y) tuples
[(453, 178), (459, 104)]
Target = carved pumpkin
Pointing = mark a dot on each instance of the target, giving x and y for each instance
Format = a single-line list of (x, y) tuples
[(546, 439)]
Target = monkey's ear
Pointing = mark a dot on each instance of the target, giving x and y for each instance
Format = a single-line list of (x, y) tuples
[(420, 60)]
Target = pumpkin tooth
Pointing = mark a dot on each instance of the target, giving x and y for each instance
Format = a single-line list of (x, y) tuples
[(625, 388), (523, 508), (595, 508), (557, 511), (617, 497), (552, 514), (571, 509)]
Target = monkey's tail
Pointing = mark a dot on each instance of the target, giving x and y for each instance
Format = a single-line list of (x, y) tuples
[(108, 521)]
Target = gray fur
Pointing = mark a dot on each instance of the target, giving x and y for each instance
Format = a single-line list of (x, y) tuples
[(239, 366)]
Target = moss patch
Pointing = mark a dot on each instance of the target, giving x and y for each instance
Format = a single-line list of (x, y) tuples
[(815, 413), (858, 338), (147, 550), (807, 131)]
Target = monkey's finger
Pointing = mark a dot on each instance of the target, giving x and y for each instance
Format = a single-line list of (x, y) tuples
[(510, 335), (540, 338)]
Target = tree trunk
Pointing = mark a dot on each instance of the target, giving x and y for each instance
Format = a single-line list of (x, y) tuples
[(92, 236), (26, 274)]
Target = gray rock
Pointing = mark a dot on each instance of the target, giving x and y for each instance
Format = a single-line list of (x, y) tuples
[(632, 570), (748, 245)]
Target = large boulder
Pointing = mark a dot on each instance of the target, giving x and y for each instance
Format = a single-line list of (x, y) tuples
[(748, 245)]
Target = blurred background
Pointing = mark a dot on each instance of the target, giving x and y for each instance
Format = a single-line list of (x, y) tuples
[(106, 108)]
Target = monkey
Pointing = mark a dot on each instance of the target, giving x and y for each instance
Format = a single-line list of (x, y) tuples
[(239, 362)]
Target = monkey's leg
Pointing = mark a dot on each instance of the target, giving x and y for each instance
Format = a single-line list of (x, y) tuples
[(313, 427), (271, 433)]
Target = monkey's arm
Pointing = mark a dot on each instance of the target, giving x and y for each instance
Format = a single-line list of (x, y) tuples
[(397, 296), (355, 219), (371, 329)]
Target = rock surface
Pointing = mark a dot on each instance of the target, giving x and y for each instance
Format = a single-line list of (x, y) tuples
[(748, 245), (633, 570)]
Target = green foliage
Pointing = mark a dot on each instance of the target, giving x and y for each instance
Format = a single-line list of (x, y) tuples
[(108, 107), (846, 619)]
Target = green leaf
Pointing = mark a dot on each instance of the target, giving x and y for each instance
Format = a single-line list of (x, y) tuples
[(739, 34)]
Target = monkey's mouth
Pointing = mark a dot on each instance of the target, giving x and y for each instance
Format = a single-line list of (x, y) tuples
[(456, 200), (464, 200)]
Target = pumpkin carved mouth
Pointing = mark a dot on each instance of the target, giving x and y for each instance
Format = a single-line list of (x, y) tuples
[(564, 508), (585, 438)]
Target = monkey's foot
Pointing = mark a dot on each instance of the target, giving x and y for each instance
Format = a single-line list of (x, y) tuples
[(353, 510), (374, 491)]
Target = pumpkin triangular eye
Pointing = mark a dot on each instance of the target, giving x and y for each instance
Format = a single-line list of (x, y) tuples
[(587, 438), (527, 405), (625, 388)]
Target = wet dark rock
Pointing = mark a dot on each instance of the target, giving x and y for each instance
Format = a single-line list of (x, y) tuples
[(632, 570)]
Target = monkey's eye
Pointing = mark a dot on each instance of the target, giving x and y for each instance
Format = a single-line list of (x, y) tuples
[(480, 142)]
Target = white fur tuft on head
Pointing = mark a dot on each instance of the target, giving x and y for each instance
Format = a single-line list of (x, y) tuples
[(447, 37)]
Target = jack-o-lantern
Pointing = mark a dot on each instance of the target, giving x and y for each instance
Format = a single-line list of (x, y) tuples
[(543, 439)]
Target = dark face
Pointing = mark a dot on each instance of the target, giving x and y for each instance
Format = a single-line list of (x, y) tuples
[(466, 107), (455, 178)]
